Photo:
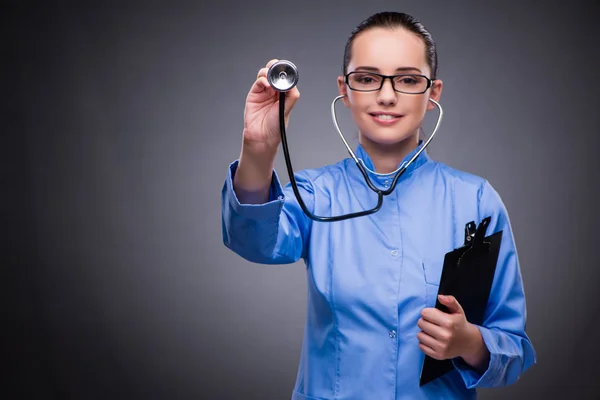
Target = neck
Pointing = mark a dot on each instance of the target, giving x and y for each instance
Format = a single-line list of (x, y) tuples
[(387, 157)]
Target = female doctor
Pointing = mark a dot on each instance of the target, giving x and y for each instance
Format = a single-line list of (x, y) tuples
[(373, 280)]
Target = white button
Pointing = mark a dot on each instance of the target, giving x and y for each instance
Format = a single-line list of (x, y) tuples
[(392, 334), (394, 253)]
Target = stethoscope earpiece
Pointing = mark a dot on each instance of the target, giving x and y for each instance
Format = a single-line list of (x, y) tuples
[(283, 76)]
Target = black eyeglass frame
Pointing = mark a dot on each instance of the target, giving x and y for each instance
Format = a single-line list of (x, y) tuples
[(391, 78)]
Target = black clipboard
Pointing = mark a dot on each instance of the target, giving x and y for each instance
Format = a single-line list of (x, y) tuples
[(467, 274)]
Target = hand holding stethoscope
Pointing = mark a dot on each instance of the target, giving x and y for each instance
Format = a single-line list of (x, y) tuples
[(280, 88), (261, 115)]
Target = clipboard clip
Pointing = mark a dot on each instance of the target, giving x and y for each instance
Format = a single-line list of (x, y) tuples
[(474, 238), (470, 230), (478, 241)]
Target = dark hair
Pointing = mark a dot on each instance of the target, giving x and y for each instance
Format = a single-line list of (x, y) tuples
[(395, 20)]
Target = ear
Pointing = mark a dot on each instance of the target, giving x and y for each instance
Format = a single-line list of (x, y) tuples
[(435, 92), (343, 88)]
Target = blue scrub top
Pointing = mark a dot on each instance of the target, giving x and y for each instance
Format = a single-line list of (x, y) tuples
[(369, 278)]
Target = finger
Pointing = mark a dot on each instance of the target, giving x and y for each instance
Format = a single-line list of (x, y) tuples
[(263, 71), (436, 316), (429, 351), (261, 85), (273, 61), (436, 331), (428, 341), (452, 304)]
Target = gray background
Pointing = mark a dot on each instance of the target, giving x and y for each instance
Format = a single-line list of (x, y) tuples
[(119, 123)]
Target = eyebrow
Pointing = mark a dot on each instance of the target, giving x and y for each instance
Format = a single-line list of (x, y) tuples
[(400, 69)]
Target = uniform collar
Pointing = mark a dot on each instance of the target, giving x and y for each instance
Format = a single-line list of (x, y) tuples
[(364, 158)]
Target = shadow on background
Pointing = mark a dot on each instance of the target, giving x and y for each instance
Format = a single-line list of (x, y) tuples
[(120, 121)]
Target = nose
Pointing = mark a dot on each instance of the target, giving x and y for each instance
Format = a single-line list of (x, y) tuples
[(387, 95)]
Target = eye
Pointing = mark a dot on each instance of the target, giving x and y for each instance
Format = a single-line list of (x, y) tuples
[(409, 80), (365, 78)]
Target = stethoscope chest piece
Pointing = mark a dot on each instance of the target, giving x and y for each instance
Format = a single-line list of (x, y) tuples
[(283, 75)]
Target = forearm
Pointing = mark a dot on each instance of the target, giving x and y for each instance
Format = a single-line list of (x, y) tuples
[(252, 179), (269, 233)]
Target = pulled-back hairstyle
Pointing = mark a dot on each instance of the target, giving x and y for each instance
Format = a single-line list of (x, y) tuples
[(392, 20)]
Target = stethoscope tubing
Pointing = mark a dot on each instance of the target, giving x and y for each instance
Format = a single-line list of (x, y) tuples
[(380, 193)]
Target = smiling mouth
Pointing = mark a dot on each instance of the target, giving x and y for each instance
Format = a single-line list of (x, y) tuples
[(388, 117), (385, 117)]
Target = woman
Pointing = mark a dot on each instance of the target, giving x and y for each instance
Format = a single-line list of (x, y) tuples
[(373, 280)]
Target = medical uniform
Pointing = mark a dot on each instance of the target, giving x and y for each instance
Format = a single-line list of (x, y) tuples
[(369, 278)]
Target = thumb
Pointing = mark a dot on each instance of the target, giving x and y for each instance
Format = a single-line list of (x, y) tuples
[(452, 304)]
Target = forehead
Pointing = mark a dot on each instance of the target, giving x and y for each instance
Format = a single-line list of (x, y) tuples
[(388, 49)]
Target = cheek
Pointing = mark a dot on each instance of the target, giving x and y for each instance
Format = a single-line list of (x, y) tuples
[(419, 104), (356, 108), (358, 105)]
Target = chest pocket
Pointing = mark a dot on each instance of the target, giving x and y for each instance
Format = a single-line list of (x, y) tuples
[(432, 269)]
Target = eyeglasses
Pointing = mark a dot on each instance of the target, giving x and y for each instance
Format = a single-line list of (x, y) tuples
[(372, 82)]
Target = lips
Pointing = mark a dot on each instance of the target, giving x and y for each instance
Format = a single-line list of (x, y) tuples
[(378, 113), (385, 118)]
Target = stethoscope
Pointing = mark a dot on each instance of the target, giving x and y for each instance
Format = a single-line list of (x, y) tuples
[(283, 76)]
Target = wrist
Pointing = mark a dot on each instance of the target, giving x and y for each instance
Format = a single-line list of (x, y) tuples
[(476, 354), (259, 148)]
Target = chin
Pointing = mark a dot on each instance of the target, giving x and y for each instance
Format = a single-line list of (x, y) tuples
[(391, 139), (402, 132)]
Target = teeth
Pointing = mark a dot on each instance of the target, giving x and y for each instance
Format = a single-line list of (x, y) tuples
[(385, 116)]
